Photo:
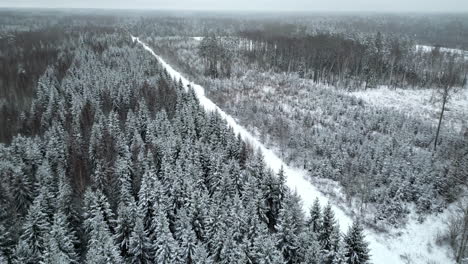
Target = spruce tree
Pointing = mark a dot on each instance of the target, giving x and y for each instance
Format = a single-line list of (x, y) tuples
[(186, 237), (53, 254), (34, 232), (310, 249), (264, 249), (101, 245), (356, 248), (125, 224), (62, 239), (328, 226), (314, 222), (329, 235), (288, 231), (164, 245), (140, 246), (22, 191), (230, 250), (24, 254), (201, 256)]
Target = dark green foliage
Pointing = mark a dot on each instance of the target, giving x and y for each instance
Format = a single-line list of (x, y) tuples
[(355, 249), (139, 251), (315, 219), (34, 231)]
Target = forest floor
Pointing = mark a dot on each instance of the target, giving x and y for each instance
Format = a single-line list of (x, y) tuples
[(413, 243)]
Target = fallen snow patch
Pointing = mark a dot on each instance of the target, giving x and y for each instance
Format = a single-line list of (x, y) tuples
[(421, 103), (426, 48)]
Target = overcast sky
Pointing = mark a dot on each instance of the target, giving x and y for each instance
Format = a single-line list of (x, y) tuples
[(248, 5)]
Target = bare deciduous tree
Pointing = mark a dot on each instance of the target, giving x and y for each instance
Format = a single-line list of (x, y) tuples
[(447, 79)]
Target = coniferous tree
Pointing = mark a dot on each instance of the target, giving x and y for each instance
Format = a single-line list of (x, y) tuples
[(164, 246), (200, 255), (53, 253), (22, 191), (162, 182), (314, 222), (355, 247), (48, 189), (94, 203), (310, 250), (264, 249), (124, 225), (61, 241), (329, 235), (186, 237), (140, 246), (35, 229), (328, 227), (288, 230), (24, 254), (101, 245), (6, 243)]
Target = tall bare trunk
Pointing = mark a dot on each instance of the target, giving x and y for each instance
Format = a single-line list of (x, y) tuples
[(440, 121), (464, 238)]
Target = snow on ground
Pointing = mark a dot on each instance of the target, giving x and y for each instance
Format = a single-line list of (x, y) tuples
[(387, 248), (198, 38), (420, 103), (426, 48)]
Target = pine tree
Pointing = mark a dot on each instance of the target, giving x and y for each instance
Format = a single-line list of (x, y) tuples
[(101, 245), (327, 228), (68, 206), (48, 188), (329, 235), (3, 259), (230, 251), (22, 191), (264, 250), (273, 195), (315, 217), (310, 249), (6, 243), (140, 245), (146, 195), (186, 237), (288, 229), (24, 254), (95, 202), (356, 248), (201, 256), (164, 245), (125, 224), (335, 254), (53, 254), (35, 228), (61, 241)]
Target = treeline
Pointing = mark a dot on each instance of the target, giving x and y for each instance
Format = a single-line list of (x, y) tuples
[(352, 63), (447, 30), (117, 163)]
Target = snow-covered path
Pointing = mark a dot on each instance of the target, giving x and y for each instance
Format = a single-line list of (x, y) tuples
[(384, 249)]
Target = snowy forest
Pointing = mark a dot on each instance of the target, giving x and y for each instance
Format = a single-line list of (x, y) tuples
[(298, 115), (107, 158), (114, 162)]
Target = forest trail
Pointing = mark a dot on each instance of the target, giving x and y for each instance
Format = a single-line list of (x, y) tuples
[(383, 248)]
